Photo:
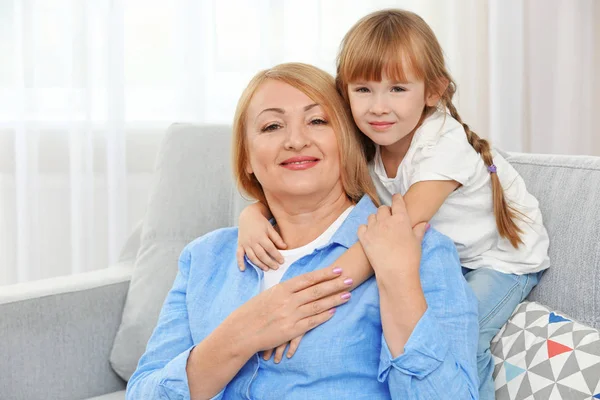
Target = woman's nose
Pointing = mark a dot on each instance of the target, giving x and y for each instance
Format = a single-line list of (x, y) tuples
[(297, 137)]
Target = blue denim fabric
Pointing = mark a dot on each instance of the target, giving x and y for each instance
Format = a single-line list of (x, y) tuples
[(498, 295), (346, 357)]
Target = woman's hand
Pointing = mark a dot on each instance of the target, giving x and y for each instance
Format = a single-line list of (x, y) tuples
[(258, 239), (389, 240), (290, 309)]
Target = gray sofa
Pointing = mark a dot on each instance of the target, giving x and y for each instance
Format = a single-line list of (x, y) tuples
[(57, 334)]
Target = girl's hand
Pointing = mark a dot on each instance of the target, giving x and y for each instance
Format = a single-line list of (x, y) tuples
[(293, 346), (389, 240), (289, 309), (258, 240)]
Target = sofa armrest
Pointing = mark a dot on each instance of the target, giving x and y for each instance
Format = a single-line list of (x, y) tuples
[(57, 334)]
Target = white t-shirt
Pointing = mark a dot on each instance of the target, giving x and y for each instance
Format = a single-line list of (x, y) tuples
[(440, 151), (273, 277)]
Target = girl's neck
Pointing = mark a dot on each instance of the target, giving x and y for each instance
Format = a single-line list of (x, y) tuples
[(393, 154)]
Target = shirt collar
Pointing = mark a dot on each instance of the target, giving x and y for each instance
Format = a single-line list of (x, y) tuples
[(346, 235), (378, 167)]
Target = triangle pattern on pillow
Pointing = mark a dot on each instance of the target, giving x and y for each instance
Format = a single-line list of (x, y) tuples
[(555, 348), (512, 371), (554, 318), (539, 354)]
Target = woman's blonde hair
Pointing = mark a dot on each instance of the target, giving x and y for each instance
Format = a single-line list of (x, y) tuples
[(395, 42), (319, 86)]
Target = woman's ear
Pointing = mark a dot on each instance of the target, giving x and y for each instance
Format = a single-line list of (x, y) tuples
[(436, 92)]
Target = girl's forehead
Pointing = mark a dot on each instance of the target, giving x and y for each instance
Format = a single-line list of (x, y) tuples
[(389, 74), (393, 67), (400, 53)]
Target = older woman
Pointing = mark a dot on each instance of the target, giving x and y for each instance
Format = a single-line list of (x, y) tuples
[(408, 332)]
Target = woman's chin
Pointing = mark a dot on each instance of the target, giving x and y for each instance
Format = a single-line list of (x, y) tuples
[(302, 188)]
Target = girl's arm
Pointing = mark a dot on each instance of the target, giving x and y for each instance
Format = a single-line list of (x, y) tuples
[(423, 200), (257, 239), (260, 208)]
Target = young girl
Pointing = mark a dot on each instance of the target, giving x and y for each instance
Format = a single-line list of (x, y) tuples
[(391, 72)]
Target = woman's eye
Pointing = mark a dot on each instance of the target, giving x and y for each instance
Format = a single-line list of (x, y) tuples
[(361, 90), (398, 89), (318, 121), (270, 128)]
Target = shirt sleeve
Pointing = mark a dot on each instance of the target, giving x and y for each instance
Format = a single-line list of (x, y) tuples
[(447, 157), (161, 372), (440, 356)]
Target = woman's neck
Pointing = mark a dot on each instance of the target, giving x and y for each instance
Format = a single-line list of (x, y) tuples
[(300, 220)]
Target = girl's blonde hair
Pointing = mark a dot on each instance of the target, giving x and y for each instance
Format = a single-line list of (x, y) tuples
[(319, 86), (397, 42)]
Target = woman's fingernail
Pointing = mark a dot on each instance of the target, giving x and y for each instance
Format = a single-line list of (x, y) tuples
[(346, 296), (337, 270), (332, 311), (348, 281), (427, 226)]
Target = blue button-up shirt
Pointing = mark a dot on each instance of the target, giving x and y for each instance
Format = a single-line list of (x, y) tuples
[(344, 358)]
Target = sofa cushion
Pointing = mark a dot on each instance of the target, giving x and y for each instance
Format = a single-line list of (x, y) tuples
[(568, 189), (192, 194), (547, 355)]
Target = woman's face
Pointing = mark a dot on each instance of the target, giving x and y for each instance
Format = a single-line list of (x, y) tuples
[(292, 148)]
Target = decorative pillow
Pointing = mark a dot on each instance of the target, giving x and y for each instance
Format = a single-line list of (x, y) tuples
[(541, 354)]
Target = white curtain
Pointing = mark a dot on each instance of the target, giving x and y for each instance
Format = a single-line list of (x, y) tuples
[(87, 88)]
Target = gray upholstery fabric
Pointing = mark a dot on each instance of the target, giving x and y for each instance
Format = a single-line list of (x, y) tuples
[(193, 194), (120, 395), (568, 189), (132, 245), (57, 347)]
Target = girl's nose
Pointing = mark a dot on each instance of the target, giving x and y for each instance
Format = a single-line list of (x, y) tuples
[(378, 106)]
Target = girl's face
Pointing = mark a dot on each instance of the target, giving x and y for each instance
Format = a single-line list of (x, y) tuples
[(389, 111)]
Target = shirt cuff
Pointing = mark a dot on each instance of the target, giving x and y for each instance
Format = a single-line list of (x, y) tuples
[(460, 177), (424, 351), (174, 383)]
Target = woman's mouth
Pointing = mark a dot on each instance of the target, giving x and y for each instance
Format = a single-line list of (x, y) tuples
[(300, 163)]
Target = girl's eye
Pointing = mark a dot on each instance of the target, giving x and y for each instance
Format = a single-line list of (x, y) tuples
[(271, 127), (318, 121), (398, 89), (361, 90)]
